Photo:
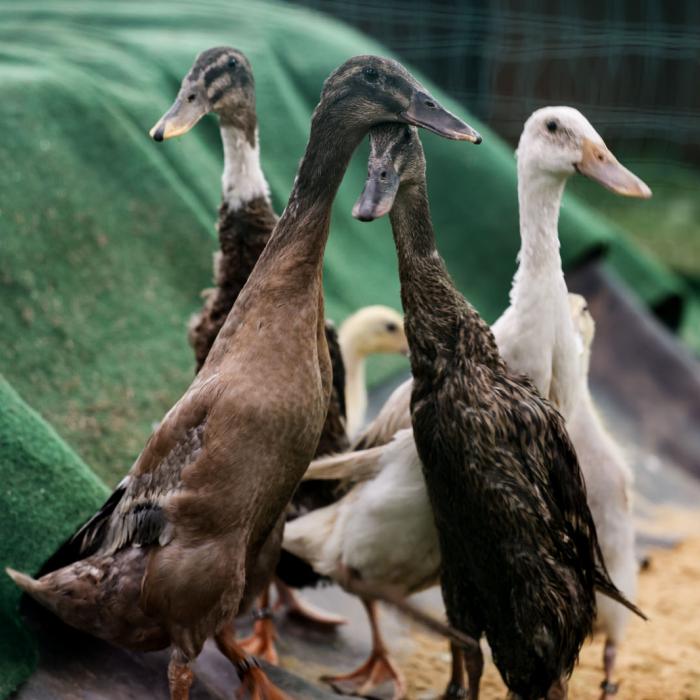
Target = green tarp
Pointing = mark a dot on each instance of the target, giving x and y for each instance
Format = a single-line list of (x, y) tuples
[(106, 237)]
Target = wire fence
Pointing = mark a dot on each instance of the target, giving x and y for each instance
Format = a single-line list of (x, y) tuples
[(631, 65)]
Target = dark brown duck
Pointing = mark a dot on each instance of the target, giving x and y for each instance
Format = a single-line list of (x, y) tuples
[(520, 555), (172, 551)]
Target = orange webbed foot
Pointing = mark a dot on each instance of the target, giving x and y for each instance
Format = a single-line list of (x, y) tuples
[(261, 642), (255, 685), (378, 668)]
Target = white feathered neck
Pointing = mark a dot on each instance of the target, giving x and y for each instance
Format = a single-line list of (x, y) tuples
[(535, 334), (243, 179)]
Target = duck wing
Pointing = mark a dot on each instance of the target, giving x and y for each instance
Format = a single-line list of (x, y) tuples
[(394, 415), (90, 535), (135, 511), (351, 466), (565, 488)]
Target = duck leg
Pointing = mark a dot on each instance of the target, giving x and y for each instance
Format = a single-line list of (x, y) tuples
[(180, 676), (474, 663), (455, 689), (609, 655), (378, 668), (261, 642), (254, 683), (302, 609)]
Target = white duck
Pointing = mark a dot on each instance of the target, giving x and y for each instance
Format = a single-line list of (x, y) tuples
[(370, 330), (609, 486), (536, 335)]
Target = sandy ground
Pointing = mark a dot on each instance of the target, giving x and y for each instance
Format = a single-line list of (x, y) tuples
[(659, 659)]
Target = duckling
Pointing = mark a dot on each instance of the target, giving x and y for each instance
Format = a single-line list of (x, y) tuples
[(166, 561), (371, 330), (609, 484), (520, 556)]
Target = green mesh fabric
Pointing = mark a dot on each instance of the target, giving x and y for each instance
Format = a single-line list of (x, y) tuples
[(46, 491), (106, 237)]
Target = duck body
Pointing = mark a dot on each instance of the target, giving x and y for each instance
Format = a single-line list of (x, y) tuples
[(507, 547), (245, 224), (518, 542), (181, 516), (367, 530)]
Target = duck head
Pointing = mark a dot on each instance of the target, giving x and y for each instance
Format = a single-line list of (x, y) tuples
[(559, 141), (395, 159), (372, 330), (368, 90), (220, 81)]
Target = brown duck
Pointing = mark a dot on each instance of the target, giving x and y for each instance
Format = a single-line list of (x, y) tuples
[(520, 555), (167, 560), (221, 81)]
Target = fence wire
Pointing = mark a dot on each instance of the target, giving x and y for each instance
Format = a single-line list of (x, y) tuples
[(631, 65)]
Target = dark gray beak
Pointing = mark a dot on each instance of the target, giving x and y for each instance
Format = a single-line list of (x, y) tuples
[(425, 111), (378, 195)]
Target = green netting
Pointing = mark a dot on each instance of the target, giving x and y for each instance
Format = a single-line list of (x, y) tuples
[(106, 237)]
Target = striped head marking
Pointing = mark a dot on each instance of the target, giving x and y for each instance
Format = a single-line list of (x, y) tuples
[(220, 81)]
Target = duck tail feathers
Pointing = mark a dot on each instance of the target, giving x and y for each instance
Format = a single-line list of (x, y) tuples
[(606, 587), (29, 585)]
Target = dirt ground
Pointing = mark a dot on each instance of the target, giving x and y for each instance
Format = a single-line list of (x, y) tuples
[(659, 659)]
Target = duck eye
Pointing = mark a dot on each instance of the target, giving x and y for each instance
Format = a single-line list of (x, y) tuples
[(552, 126), (191, 98), (232, 62), (370, 73), (392, 327)]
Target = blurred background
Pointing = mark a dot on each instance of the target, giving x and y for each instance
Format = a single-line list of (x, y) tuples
[(106, 241)]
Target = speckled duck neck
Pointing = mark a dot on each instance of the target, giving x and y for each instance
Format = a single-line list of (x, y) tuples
[(439, 322)]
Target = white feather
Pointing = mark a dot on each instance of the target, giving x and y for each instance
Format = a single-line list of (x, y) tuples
[(383, 528), (243, 179)]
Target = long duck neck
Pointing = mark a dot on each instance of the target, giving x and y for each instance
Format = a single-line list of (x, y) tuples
[(439, 321), (355, 383), (302, 231), (289, 270), (540, 268)]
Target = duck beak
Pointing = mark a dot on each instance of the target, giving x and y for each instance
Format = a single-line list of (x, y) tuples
[(378, 195), (599, 164), (425, 111), (179, 119)]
